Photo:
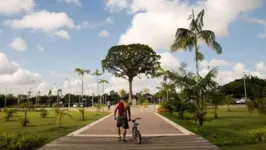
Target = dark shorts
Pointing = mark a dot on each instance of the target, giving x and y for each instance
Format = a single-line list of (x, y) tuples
[(122, 121)]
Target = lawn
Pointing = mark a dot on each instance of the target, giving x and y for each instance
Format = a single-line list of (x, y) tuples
[(229, 131), (47, 127)]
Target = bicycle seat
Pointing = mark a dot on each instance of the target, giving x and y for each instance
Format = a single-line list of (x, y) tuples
[(135, 119)]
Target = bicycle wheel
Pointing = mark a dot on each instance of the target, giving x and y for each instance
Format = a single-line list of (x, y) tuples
[(138, 136), (133, 133)]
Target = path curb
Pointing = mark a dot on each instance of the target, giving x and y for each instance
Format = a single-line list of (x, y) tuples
[(182, 129), (77, 132)]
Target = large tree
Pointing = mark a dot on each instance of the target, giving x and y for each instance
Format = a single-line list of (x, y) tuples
[(128, 61), (188, 39), (81, 72)]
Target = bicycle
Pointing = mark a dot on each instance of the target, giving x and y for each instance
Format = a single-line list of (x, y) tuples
[(135, 132)]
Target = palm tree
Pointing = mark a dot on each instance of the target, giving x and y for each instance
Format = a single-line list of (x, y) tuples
[(187, 39), (59, 93), (38, 97), (97, 73), (49, 95), (165, 75), (102, 81), (81, 72), (60, 113)]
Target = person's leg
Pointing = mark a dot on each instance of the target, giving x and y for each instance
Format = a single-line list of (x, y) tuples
[(124, 134), (118, 128), (125, 127)]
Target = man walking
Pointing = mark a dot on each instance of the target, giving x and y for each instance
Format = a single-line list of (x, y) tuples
[(123, 109), (109, 105)]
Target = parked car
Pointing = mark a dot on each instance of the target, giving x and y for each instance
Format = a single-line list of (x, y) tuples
[(243, 100)]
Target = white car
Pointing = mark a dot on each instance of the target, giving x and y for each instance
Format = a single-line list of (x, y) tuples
[(241, 101)]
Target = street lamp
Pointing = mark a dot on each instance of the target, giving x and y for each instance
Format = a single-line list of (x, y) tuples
[(245, 85), (37, 90), (5, 93), (69, 92)]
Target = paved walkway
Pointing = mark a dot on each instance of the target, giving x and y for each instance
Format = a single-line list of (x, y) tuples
[(149, 124), (157, 132)]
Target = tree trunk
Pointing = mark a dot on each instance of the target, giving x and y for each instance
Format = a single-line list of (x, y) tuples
[(98, 88), (167, 99), (215, 112), (130, 90), (82, 90)]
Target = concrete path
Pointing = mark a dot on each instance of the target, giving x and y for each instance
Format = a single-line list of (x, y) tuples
[(157, 132), (149, 124)]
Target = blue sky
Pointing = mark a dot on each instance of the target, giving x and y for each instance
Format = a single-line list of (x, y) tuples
[(126, 21)]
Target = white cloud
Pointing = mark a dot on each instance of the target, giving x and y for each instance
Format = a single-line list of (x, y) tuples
[(62, 34), (215, 63), (260, 66), (43, 21), (7, 67), (104, 33), (18, 44), (77, 2), (10, 7), (155, 21), (84, 25), (263, 23), (14, 77), (40, 48), (117, 5), (169, 61)]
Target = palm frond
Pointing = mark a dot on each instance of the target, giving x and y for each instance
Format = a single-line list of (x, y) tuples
[(209, 38), (184, 39), (199, 20), (199, 56), (217, 47)]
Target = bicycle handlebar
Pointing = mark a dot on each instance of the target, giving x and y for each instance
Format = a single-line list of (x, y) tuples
[(135, 119)]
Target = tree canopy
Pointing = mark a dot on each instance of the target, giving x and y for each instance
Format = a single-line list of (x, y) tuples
[(256, 87), (128, 61)]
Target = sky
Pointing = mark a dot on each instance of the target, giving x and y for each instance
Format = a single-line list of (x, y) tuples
[(43, 41)]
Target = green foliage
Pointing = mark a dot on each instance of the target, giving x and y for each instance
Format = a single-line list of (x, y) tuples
[(82, 112), (24, 121), (43, 113), (9, 114), (228, 100), (146, 103), (122, 93), (131, 60), (98, 107), (26, 106), (20, 141), (60, 113), (258, 134), (222, 138), (255, 87), (259, 104)]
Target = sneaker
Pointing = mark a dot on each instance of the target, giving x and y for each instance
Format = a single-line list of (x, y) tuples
[(119, 139), (123, 141)]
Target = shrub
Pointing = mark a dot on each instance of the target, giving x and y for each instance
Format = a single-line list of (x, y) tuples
[(223, 138), (162, 110), (43, 113), (146, 103), (9, 114), (258, 134), (20, 141), (82, 112), (24, 121)]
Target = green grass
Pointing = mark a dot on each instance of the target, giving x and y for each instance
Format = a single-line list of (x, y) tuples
[(229, 131), (47, 127)]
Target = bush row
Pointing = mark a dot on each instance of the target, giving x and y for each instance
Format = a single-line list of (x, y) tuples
[(20, 141)]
